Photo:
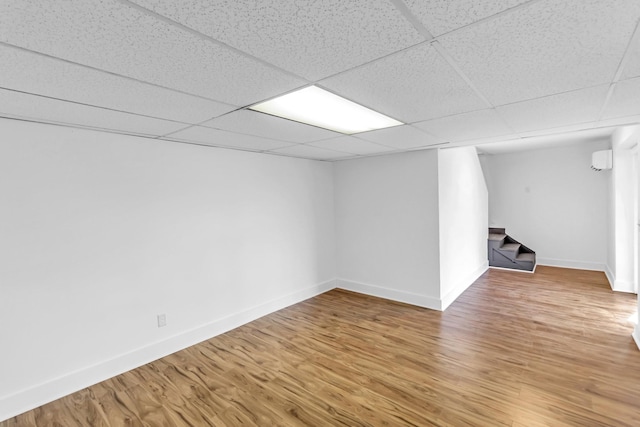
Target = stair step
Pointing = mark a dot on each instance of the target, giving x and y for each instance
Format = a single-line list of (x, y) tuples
[(526, 257), (494, 236), (513, 247), (506, 252)]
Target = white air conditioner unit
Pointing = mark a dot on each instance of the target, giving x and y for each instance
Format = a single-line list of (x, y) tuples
[(602, 160)]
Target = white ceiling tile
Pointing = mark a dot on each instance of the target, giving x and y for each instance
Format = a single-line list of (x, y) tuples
[(120, 39), (313, 39), (467, 126), (401, 137), (221, 138), (412, 85), (349, 144), (568, 108), (625, 100), (260, 124), (442, 16), (548, 47), (309, 152), (42, 75), (38, 108)]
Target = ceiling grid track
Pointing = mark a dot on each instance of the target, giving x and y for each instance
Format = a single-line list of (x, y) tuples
[(409, 16), (98, 106), (634, 39), (122, 76)]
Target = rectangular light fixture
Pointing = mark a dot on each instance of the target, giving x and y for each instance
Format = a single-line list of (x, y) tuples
[(318, 107)]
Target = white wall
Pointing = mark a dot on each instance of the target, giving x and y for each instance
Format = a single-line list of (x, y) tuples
[(102, 232), (610, 267), (625, 219), (463, 205), (625, 222), (551, 201), (636, 331), (387, 226)]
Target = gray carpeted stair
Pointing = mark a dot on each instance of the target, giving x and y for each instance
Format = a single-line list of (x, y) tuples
[(506, 252)]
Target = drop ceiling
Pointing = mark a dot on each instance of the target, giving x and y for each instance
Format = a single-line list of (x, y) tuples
[(497, 74)]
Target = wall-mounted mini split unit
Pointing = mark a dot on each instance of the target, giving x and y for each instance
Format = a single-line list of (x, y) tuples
[(602, 160)]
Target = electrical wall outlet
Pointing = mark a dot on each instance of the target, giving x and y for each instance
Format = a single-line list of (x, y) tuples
[(162, 320)]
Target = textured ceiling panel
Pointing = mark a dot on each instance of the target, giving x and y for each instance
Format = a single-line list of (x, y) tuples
[(118, 38), (309, 152), (349, 144), (313, 39), (413, 85), (220, 138), (462, 127), (546, 48), (401, 137), (569, 108), (37, 108), (259, 124), (625, 100), (441, 16), (28, 72)]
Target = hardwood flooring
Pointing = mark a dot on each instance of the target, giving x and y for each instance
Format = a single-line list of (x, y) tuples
[(546, 349)]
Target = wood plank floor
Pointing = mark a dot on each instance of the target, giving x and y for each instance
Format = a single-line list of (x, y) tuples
[(546, 349)]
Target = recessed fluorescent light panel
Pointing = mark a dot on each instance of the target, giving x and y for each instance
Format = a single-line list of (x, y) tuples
[(318, 107)]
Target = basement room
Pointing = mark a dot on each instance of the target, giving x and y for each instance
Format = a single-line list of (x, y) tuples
[(319, 213)]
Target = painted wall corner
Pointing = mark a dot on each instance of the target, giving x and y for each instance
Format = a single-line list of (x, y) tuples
[(463, 285)]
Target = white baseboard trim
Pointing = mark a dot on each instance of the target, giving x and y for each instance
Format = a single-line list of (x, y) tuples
[(567, 263), (463, 285), (636, 335), (390, 294), (616, 285), (610, 276), (623, 286), (32, 397), (514, 270)]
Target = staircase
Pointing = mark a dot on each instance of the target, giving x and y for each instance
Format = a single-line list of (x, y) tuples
[(506, 252)]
